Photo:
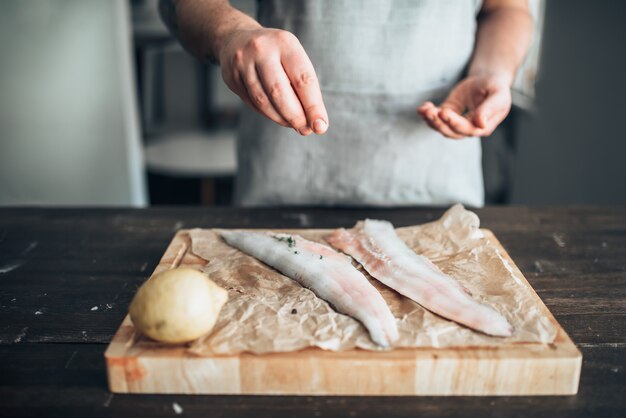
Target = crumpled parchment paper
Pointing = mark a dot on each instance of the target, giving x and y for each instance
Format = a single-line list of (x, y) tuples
[(268, 312)]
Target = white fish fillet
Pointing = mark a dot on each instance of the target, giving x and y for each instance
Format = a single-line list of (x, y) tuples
[(387, 258), (329, 274)]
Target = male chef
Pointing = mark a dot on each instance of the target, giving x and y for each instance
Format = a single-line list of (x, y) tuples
[(396, 92)]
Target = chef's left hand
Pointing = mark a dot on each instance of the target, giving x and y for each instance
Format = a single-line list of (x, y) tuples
[(474, 107)]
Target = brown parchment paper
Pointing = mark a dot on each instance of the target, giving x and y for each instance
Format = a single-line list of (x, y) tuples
[(268, 312)]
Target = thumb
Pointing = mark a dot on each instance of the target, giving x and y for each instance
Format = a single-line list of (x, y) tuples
[(495, 103)]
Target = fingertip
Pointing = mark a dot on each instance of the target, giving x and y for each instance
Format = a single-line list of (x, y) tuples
[(320, 126), (431, 113), (445, 114), (481, 120), (306, 131), (425, 106)]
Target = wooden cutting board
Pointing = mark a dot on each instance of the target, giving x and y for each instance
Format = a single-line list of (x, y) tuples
[(514, 369)]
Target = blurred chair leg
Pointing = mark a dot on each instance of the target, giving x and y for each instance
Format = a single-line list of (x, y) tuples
[(207, 192)]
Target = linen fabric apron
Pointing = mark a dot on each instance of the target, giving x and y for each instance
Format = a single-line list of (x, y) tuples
[(376, 61)]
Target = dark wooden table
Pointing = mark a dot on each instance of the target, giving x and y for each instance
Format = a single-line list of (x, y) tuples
[(67, 276)]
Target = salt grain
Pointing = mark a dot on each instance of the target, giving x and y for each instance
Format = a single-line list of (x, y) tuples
[(177, 408)]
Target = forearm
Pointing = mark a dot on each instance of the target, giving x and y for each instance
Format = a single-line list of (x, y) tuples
[(502, 39), (202, 25)]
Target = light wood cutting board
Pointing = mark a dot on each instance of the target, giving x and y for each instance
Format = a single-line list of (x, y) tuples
[(514, 369)]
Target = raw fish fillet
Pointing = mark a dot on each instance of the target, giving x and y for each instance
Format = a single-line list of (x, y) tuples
[(326, 272), (387, 258)]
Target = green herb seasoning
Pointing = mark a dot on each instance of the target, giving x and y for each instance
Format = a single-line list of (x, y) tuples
[(321, 257), (289, 240)]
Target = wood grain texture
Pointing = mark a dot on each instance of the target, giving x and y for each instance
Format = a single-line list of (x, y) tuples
[(52, 364), (514, 369)]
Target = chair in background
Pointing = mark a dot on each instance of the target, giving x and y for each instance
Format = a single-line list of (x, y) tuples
[(195, 154), (188, 114)]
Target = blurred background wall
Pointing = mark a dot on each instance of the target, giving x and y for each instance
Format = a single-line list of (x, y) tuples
[(572, 147), (70, 132), (69, 129)]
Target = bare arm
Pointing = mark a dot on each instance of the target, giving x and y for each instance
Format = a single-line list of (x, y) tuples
[(504, 32), (479, 103), (201, 26), (267, 68)]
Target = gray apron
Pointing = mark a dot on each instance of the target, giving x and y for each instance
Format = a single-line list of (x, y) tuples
[(377, 61)]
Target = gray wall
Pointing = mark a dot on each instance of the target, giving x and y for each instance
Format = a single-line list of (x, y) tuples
[(68, 118), (573, 148)]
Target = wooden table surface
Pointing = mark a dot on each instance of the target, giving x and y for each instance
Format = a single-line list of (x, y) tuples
[(67, 276)]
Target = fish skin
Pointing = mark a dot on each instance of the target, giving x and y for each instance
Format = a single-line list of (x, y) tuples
[(377, 247), (326, 272)]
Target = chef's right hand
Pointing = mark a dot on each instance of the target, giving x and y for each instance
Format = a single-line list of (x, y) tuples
[(270, 71)]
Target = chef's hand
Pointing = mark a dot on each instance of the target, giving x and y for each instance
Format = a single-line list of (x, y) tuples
[(474, 107), (270, 71)]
